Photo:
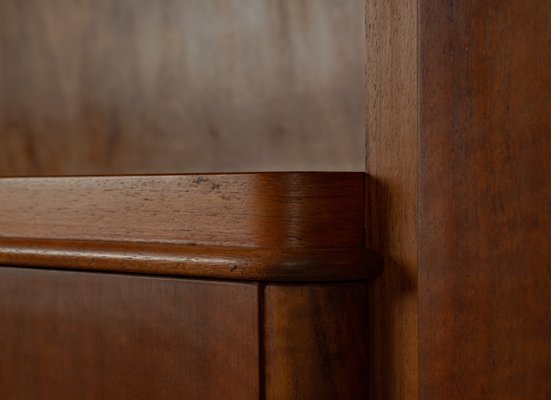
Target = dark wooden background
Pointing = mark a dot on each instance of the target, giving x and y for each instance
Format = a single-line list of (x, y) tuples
[(141, 86)]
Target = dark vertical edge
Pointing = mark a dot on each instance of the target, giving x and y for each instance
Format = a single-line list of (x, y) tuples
[(261, 343), (418, 169)]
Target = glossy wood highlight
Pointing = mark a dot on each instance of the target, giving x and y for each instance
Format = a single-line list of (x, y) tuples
[(315, 341), (75, 335)]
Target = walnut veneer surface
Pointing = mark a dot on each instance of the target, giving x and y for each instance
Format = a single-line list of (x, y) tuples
[(78, 335), (458, 150)]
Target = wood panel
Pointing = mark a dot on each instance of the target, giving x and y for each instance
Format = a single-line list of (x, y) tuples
[(458, 123), (111, 86), (485, 186), (391, 210), (76, 335), (315, 341)]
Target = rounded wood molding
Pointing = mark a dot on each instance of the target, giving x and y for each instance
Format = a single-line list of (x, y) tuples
[(232, 263)]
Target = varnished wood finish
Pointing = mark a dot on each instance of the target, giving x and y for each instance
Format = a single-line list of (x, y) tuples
[(265, 226), (315, 341), (458, 148), (308, 210), (74, 335), (141, 86), (485, 191), (237, 263), (392, 210)]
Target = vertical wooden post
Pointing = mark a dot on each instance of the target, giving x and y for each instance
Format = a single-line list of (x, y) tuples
[(458, 147), (392, 163)]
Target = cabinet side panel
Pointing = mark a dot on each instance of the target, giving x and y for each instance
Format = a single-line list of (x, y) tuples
[(484, 204)]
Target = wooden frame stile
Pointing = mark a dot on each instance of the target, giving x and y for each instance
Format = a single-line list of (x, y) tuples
[(458, 144)]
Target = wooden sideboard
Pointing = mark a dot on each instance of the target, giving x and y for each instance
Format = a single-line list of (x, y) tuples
[(235, 286)]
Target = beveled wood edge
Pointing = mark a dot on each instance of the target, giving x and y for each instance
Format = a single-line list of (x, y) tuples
[(209, 262)]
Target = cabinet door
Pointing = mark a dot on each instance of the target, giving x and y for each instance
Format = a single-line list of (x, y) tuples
[(79, 335)]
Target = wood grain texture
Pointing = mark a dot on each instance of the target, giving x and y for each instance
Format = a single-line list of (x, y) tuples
[(315, 341), (307, 210), (485, 190), (392, 207), (235, 263), (120, 86), (75, 335), (264, 226)]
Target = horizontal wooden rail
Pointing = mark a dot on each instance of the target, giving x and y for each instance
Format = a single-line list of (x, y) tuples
[(257, 264), (263, 227)]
